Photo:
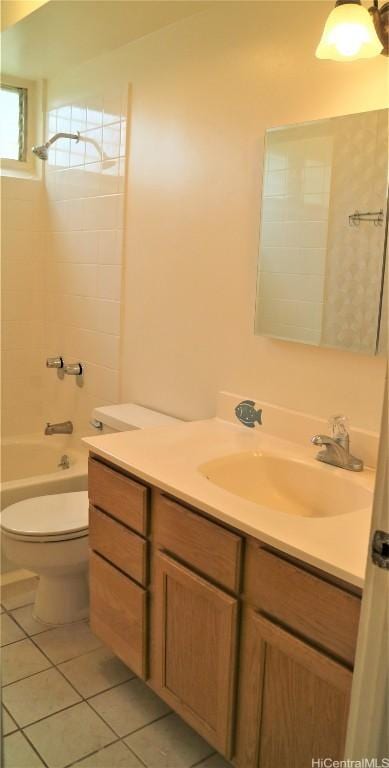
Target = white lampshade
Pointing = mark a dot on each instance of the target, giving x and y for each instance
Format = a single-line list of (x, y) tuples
[(349, 34)]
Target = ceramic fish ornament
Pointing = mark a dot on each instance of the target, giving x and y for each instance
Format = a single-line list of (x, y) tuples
[(247, 414)]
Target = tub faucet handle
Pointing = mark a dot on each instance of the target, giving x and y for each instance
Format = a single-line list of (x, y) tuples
[(73, 369), (54, 362)]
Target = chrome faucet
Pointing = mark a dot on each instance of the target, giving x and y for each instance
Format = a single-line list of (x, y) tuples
[(336, 449), (63, 428)]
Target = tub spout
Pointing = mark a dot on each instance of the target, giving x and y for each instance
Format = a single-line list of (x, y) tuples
[(63, 428)]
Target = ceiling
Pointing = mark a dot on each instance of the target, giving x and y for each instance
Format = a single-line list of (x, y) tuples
[(12, 11), (61, 34)]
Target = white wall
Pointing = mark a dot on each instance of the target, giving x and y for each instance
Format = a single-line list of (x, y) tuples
[(203, 93), (23, 251)]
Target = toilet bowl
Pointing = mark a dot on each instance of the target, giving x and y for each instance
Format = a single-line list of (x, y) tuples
[(49, 536)]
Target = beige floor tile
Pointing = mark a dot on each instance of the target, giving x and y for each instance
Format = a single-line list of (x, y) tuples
[(69, 736), (19, 593), (18, 753), (129, 706), (20, 660), (38, 696), (215, 761), (9, 631), (8, 723), (26, 620), (95, 672), (68, 641), (115, 756), (168, 743)]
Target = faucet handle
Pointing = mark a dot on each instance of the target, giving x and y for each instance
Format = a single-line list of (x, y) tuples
[(340, 429), (54, 362), (339, 425)]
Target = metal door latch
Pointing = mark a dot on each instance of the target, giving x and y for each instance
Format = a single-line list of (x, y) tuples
[(380, 549)]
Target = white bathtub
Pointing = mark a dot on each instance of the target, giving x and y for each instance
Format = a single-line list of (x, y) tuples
[(29, 467)]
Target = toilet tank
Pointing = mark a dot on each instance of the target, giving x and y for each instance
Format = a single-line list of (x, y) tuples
[(126, 416)]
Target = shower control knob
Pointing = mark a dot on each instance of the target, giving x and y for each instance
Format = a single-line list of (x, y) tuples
[(54, 362), (73, 369)]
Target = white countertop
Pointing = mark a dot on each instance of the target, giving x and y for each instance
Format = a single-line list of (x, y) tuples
[(168, 458)]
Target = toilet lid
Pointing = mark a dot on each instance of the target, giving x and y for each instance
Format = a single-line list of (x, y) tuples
[(52, 515)]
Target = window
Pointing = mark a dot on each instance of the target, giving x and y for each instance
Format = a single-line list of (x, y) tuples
[(13, 130)]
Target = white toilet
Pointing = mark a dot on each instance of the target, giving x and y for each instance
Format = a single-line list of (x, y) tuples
[(49, 534)]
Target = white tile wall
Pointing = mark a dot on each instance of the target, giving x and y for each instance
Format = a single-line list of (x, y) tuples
[(62, 242), (294, 233), (85, 189)]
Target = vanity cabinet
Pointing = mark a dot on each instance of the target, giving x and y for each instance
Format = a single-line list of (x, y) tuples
[(195, 626), (294, 699), (253, 648)]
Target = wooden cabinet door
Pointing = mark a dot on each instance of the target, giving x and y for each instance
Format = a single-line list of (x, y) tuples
[(293, 700), (118, 613), (194, 649)]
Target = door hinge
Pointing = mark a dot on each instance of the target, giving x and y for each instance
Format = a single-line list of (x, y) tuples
[(380, 549)]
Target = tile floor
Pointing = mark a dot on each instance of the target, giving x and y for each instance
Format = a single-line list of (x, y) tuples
[(67, 701)]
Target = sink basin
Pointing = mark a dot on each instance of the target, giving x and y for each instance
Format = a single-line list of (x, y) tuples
[(288, 485)]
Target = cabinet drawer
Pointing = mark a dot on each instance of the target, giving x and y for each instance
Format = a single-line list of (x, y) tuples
[(118, 544), (311, 606), (118, 613), (204, 545), (116, 494)]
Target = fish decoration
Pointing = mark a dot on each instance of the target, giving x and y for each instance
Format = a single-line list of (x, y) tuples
[(247, 414)]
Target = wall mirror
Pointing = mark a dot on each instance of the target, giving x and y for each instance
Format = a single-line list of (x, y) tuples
[(323, 239)]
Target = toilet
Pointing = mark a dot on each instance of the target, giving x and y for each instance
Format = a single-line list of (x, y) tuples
[(48, 535)]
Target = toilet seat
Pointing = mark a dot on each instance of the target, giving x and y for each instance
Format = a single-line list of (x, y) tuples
[(56, 517)]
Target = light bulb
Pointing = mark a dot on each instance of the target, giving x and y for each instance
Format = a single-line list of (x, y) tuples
[(349, 34)]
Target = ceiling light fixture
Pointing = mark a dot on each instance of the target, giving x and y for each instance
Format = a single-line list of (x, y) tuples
[(353, 32)]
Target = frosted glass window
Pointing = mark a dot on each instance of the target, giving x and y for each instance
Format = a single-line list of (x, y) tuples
[(13, 121)]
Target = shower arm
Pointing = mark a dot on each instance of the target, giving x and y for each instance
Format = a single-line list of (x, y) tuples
[(75, 136)]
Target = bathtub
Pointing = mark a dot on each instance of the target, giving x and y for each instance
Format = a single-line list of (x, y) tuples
[(30, 467)]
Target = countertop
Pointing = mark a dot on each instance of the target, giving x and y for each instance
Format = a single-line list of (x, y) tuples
[(168, 457)]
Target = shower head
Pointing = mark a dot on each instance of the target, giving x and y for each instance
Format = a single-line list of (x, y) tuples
[(42, 151)]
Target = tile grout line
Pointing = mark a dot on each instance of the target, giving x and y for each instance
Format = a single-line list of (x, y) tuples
[(134, 753), (96, 751), (12, 718), (142, 727), (203, 759), (27, 677), (90, 754), (34, 748)]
